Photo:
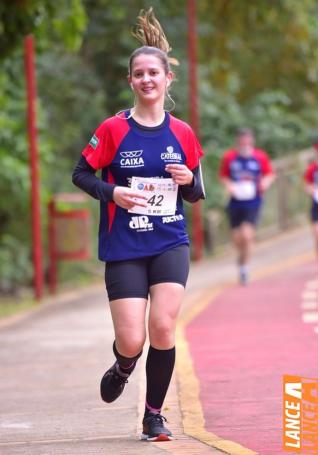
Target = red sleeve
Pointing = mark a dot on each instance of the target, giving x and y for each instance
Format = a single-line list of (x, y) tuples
[(309, 173), (102, 147), (265, 162), (224, 171), (194, 151), (188, 141)]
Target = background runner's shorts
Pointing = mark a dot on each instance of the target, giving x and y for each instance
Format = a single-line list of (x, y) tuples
[(314, 212), (133, 278), (243, 214)]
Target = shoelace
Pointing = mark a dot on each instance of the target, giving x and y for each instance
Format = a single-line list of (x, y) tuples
[(158, 417), (119, 377)]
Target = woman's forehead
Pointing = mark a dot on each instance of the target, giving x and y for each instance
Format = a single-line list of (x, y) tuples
[(146, 61)]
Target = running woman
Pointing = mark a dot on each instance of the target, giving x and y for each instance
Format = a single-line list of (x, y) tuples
[(246, 173), (311, 187), (150, 162)]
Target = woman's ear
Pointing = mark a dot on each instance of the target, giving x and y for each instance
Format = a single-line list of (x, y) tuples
[(169, 78), (129, 82)]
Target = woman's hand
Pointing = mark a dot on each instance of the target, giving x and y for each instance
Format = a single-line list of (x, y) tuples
[(126, 198), (180, 174)]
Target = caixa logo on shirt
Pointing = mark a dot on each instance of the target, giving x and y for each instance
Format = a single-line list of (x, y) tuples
[(170, 156), (140, 223), (132, 158)]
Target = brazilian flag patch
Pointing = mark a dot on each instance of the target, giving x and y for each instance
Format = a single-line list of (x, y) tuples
[(94, 141)]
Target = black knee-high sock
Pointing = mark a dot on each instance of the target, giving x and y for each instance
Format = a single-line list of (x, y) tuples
[(159, 369), (126, 364)]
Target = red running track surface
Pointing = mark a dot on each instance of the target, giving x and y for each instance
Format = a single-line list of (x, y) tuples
[(241, 345)]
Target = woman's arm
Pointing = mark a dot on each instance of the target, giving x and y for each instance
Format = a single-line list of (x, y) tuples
[(190, 182), (195, 190), (84, 177)]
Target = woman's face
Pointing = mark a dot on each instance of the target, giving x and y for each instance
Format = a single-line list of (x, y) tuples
[(148, 79)]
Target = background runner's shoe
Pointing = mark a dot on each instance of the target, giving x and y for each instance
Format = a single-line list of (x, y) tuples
[(154, 429), (243, 277), (112, 384)]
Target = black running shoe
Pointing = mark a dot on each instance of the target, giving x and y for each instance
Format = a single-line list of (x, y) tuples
[(112, 384), (154, 429)]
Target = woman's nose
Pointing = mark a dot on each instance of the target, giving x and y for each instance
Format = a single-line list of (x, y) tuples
[(146, 77)]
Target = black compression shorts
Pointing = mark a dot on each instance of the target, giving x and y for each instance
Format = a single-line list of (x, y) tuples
[(134, 277)]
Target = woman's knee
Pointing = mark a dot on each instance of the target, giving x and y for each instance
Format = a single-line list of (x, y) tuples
[(162, 331), (128, 344)]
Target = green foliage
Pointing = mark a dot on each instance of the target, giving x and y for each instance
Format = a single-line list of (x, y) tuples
[(256, 46), (16, 20), (11, 305), (14, 178), (50, 21), (15, 266)]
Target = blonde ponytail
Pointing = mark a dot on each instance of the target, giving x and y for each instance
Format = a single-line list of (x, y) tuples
[(149, 33)]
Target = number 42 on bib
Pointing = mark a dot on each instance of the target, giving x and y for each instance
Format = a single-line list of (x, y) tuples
[(161, 196)]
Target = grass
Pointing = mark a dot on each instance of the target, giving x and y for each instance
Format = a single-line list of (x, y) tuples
[(72, 275), (10, 305)]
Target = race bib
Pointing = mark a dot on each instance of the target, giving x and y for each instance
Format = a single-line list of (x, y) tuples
[(245, 190), (161, 196)]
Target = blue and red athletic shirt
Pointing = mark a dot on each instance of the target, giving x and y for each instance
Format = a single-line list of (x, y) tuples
[(122, 149), (238, 168), (311, 174)]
